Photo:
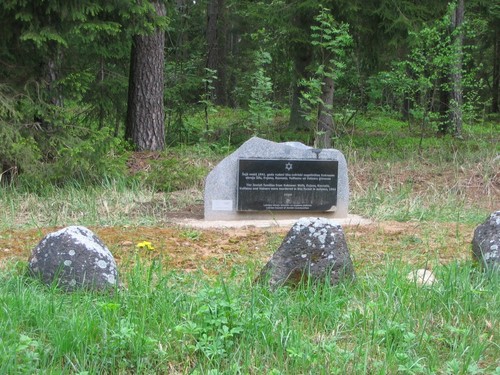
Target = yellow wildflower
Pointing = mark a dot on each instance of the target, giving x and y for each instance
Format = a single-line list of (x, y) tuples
[(145, 245)]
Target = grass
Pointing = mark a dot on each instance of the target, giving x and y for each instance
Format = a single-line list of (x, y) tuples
[(449, 180), (111, 204), (190, 305), (387, 182), (169, 322)]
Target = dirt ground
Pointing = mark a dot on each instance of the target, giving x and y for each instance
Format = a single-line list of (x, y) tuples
[(213, 251)]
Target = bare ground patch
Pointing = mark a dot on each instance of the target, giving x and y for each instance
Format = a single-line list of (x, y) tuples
[(214, 251)]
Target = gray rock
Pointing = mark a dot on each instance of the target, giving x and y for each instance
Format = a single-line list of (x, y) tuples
[(221, 184), (422, 277), (74, 258), (486, 242), (314, 248)]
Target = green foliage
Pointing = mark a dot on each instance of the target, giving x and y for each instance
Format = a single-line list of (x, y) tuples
[(425, 72), (18, 148), (260, 106), (207, 99), (229, 128), (55, 153), (310, 99), (78, 56), (217, 321), (331, 40), (88, 157), (191, 234), (172, 174), (140, 18), (65, 68), (182, 87)]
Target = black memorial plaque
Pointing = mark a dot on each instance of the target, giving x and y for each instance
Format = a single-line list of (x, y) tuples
[(280, 185)]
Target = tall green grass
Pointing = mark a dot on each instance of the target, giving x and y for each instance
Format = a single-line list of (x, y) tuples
[(168, 322)]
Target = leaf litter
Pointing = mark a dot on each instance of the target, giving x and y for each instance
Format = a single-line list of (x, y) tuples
[(215, 250)]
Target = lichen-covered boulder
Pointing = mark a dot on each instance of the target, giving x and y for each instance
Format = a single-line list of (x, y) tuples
[(486, 242), (314, 248), (74, 258)]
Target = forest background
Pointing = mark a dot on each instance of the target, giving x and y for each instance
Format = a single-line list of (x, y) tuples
[(82, 83), (113, 112)]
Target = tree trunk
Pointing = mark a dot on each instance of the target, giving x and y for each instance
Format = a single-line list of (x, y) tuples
[(52, 76), (495, 106), (233, 47), (216, 48), (405, 108), (297, 120), (444, 107), (302, 55), (302, 59), (182, 53), (456, 101), (145, 125), (323, 138)]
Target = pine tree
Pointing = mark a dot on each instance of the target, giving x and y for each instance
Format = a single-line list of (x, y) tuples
[(145, 125)]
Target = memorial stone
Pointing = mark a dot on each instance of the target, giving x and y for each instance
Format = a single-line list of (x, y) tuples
[(314, 249), (74, 258), (486, 242), (265, 179)]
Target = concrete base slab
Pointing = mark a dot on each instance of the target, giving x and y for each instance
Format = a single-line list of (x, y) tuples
[(350, 220)]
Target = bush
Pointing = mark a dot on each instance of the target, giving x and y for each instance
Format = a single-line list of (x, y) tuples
[(87, 158), (18, 148), (172, 174), (40, 145), (18, 153)]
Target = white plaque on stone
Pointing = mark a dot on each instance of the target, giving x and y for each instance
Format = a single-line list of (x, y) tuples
[(222, 205)]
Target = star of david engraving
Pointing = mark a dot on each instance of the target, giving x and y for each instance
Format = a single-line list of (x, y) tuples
[(289, 166)]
